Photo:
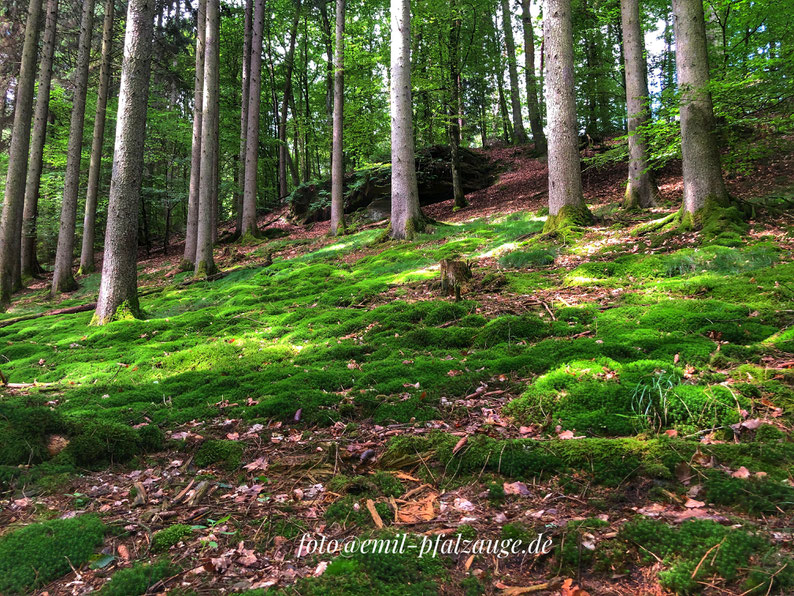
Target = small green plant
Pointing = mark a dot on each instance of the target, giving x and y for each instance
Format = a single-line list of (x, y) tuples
[(170, 536), (227, 454), (649, 398), (138, 579)]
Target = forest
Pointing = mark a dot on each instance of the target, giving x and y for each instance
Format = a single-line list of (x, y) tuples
[(471, 297)]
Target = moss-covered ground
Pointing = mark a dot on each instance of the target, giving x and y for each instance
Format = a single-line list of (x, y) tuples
[(622, 374)]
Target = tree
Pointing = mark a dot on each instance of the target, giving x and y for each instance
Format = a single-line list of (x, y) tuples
[(208, 182), (535, 124), (515, 99), (29, 262), (191, 225), (248, 226), (406, 217), (641, 189), (62, 279), (289, 60), (118, 290), (244, 99), (337, 152), (704, 187), (566, 201), (11, 224), (89, 220), (459, 199)]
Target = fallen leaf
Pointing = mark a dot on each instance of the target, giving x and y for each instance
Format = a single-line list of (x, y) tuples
[(741, 473)]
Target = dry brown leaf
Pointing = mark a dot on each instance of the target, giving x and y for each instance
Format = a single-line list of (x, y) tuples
[(741, 473), (374, 513), (459, 445)]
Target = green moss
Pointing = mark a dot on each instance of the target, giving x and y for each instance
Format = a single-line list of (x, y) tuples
[(511, 329), (754, 495), (99, 442), (170, 536), (136, 580), (226, 454), (24, 426), (538, 256), (34, 555)]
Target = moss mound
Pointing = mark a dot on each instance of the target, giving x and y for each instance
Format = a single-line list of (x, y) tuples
[(24, 427), (170, 536), (97, 442), (34, 555), (138, 579), (226, 454)]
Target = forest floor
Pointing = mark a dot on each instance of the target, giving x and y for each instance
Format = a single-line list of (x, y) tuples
[(626, 394)]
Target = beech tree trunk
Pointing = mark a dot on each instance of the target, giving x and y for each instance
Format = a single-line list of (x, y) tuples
[(641, 189), (87, 264), (244, 99), (337, 152), (11, 224), (191, 227), (459, 198), (29, 262), (703, 183), (208, 183), (535, 124), (282, 123), (406, 217), (118, 290), (248, 226), (566, 201), (62, 279), (515, 98)]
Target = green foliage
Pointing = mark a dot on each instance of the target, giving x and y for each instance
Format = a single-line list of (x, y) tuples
[(136, 580), (34, 555), (226, 454), (97, 442), (24, 426), (170, 536), (538, 256)]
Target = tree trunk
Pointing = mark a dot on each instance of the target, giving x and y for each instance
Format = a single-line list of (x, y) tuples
[(515, 99), (289, 60), (566, 202), (89, 221), (406, 217), (248, 227), (459, 198), (10, 227), (62, 279), (29, 262), (337, 152), (535, 123), (205, 265), (703, 183), (244, 95), (641, 190), (118, 290), (191, 227)]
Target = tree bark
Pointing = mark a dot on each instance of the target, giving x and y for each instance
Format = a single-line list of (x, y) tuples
[(289, 60), (535, 124), (566, 201), (118, 290), (406, 217), (11, 224), (337, 150), (244, 99), (515, 98), (248, 225), (29, 262), (641, 189), (62, 279), (208, 183), (458, 196), (703, 183), (87, 264), (191, 227)]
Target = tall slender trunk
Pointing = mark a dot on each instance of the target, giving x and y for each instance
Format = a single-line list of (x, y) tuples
[(205, 265), (244, 99), (641, 190), (289, 61), (535, 124), (458, 196), (29, 262), (515, 98), (337, 149), (62, 279), (566, 202), (118, 290), (703, 183), (11, 224), (248, 226), (191, 227), (406, 217), (89, 220)]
